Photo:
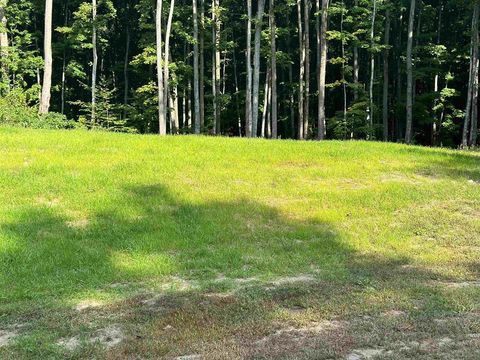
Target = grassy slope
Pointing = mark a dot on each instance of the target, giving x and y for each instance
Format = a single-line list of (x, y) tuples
[(231, 232)]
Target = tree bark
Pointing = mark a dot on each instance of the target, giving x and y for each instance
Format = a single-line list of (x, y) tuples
[(162, 121), (474, 121), (48, 61), (125, 72), (196, 85), (216, 65), (386, 75), (95, 60), (409, 106), (202, 64), (166, 61), (301, 79), (306, 103), (356, 67), (273, 69), (248, 99), (322, 71), (372, 70), (3, 40), (256, 66)]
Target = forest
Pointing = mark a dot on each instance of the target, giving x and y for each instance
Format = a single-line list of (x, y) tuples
[(387, 70)]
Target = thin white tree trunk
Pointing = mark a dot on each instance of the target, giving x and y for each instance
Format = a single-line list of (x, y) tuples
[(216, 65), (322, 71), (202, 64), (95, 60), (385, 75), (3, 40), (166, 60), (256, 66), (273, 69), (372, 70), (265, 104), (248, 96), (306, 44), (409, 107), (301, 80), (48, 61), (162, 122), (196, 77), (356, 67)]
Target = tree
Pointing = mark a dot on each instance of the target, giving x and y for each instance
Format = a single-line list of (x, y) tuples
[(273, 69), (48, 61), (386, 75), (256, 66), (196, 77), (409, 106), (322, 69), (162, 122)]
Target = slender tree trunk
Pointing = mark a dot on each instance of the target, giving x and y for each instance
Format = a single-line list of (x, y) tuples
[(196, 78), (322, 71), (162, 121), (306, 103), (202, 64), (472, 81), (273, 69), (301, 80), (47, 49), (386, 75), (436, 125), (256, 66), (237, 100), (166, 60), (216, 65), (474, 121), (372, 70), (409, 107), (95, 60), (356, 67), (125, 72), (4, 41), (266, 97), (248, 100)]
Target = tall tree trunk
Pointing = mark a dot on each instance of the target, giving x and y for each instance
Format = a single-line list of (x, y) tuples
[(196, 78), (356, 67), (162, 121), (216, 65), (386, 75), (306, 103), (409, 107), (237, 100), (256, 66), (472, 81), (125, 72), (95, 60), (436, 125), (322, 71), (266, 99), (48, 61), (301, 80), (273, 69), (166, 60), (474, 122), (372, 70), (344, 83), (202, 64), (3, 41), (248, 99)]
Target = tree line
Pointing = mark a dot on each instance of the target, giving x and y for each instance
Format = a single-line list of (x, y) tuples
[(392, 70)]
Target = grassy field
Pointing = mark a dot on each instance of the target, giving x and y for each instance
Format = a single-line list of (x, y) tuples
[(138, 247)]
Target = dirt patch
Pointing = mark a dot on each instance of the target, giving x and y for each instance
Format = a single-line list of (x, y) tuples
[(365, 354), (459, 285), (394, 313), (107, 337), (78, 224), (88, 304), (189, 357), (7, 336)]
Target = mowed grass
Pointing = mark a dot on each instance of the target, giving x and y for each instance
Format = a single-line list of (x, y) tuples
[(128, 246)]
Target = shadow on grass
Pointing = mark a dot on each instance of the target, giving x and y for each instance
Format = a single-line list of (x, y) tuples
[(149, 233)]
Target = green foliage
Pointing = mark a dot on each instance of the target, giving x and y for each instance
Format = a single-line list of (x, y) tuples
[(16, 111)]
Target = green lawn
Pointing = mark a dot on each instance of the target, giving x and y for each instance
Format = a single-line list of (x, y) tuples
[(127, 246)]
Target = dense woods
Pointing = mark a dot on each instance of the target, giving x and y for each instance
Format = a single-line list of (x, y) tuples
[(388, 70)]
